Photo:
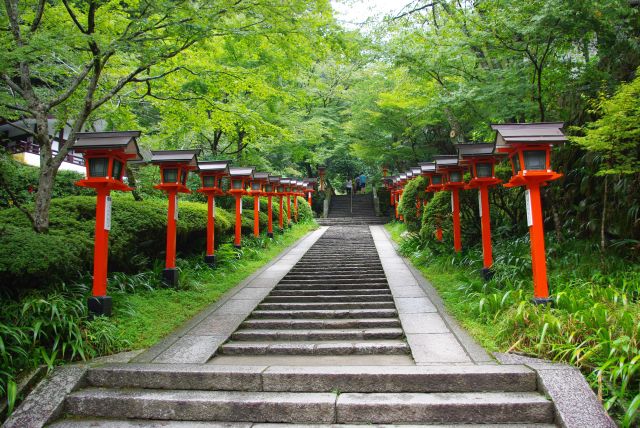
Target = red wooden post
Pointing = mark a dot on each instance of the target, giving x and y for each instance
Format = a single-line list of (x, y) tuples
[(211, 226), (529, 148), (239, 178), (485, 221), (211, 174), (457, 236), (170, 256), (281, 215), (269, 217), (237, 241), (106, 155)]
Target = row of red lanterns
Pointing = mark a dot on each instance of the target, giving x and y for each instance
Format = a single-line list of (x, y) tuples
[(106, 155), (528, 147)]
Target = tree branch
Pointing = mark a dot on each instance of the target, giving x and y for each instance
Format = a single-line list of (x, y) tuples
[(36, 22), (414, 10), (74, 85), (74, 17)]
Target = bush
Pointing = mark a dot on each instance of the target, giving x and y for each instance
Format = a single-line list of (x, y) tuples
[(408, 209), (437, 214)]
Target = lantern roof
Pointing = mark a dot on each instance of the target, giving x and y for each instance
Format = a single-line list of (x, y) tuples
[(475, 149), (409, 174), (416, 170), (446, 161), (428, 167), (402, 176), (274, 179), (285, 181), (260, 176), (219, 166), (120, 140), (188, 157), (311, 180), (241, 171), (528, 133), (322, 167)]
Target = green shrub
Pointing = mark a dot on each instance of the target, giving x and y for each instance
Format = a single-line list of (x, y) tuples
[(437, 214), (407, 207)]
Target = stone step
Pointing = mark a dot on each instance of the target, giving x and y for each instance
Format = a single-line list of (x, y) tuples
[(344, 271), (325, 314), (329, 286), (321, 292), (328, 305), (424, 379), (356, 264), (348, 298), (365, 347), (321, 323), (311, 407), (138, 423), (285, 280), (317, 334)]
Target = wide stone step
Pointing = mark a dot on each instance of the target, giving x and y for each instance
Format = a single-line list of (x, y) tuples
[(328, 305), (312, 272), (138, 423), (335, 276), (321, 323), (347, 298), (366, 347), (441, 378), (286, 280), (317, 334), (312, 407), (356, 264), (321, 292), (325, 314), (329, 286)]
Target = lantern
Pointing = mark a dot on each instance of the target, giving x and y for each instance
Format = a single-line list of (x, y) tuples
[(211, 174), (481, 160), (286, 186), (257, 189), (271, 190), (321, 172), (174, 169), (310, 188), (106, 155), (528, 146), (239, 177), (452, 174)]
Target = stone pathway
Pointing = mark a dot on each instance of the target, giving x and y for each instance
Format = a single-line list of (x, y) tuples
[(338, 330)]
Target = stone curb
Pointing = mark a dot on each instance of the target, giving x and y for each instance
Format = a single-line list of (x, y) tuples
[(163, 345), (575, 404)]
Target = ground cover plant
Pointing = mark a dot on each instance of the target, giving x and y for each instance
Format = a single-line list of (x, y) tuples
[(594, 324)]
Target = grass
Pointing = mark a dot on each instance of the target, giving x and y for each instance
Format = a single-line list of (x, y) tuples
[(142, 318), (594, 324)]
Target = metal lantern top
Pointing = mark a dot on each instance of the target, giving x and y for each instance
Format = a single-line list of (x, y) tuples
[(285, 186), (106, 155), (435, 178), (416, 171), (481, 159), (528, 146), (174, 168), (310, 184), (257, 182), (271, 185), (211, 174), (452, 171), (239, 176)]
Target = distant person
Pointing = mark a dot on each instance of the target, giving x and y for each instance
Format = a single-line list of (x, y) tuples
[(363, 181), (348, 185), (357, 184)]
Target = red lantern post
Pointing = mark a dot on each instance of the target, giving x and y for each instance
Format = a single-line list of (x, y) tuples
[(271, 190), (481, 160), (286, 182), (528, 146), (453, 181), (310, 184), (239, 177), (416, 171), (435, 185), (174, 169), (321, 173), (211, 174), (106, 155), (257, 189)]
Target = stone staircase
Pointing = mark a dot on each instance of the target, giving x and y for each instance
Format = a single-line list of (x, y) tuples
[(335, 301), (342, 212)]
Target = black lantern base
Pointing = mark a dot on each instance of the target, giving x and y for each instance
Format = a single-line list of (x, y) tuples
[(238, 246), (486, 273), (210, 260), (270, 234), (542, 301), (170, 277), (99, 306)]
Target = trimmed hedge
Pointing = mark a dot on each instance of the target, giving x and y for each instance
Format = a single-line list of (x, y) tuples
[(136, 239), (407, 206)]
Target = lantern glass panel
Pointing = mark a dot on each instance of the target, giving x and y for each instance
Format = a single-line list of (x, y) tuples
[(117, 170), (237, 183), (436, 179), (535, 159), (268, 188), (184, 176), (98, 167), (455, 176), (255, 186), (170, 175), (209, 181), (280, 189), (484, 170), (515, 161)]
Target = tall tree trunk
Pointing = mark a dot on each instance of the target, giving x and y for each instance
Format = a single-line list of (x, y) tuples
[(603, 228), (131, 177)]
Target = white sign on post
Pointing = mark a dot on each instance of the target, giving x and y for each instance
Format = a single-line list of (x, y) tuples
[(107, 213), (480, 203), (175, 213), (258, 205), (241, 205), (527, 198), (214, 208), (452, 208)]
